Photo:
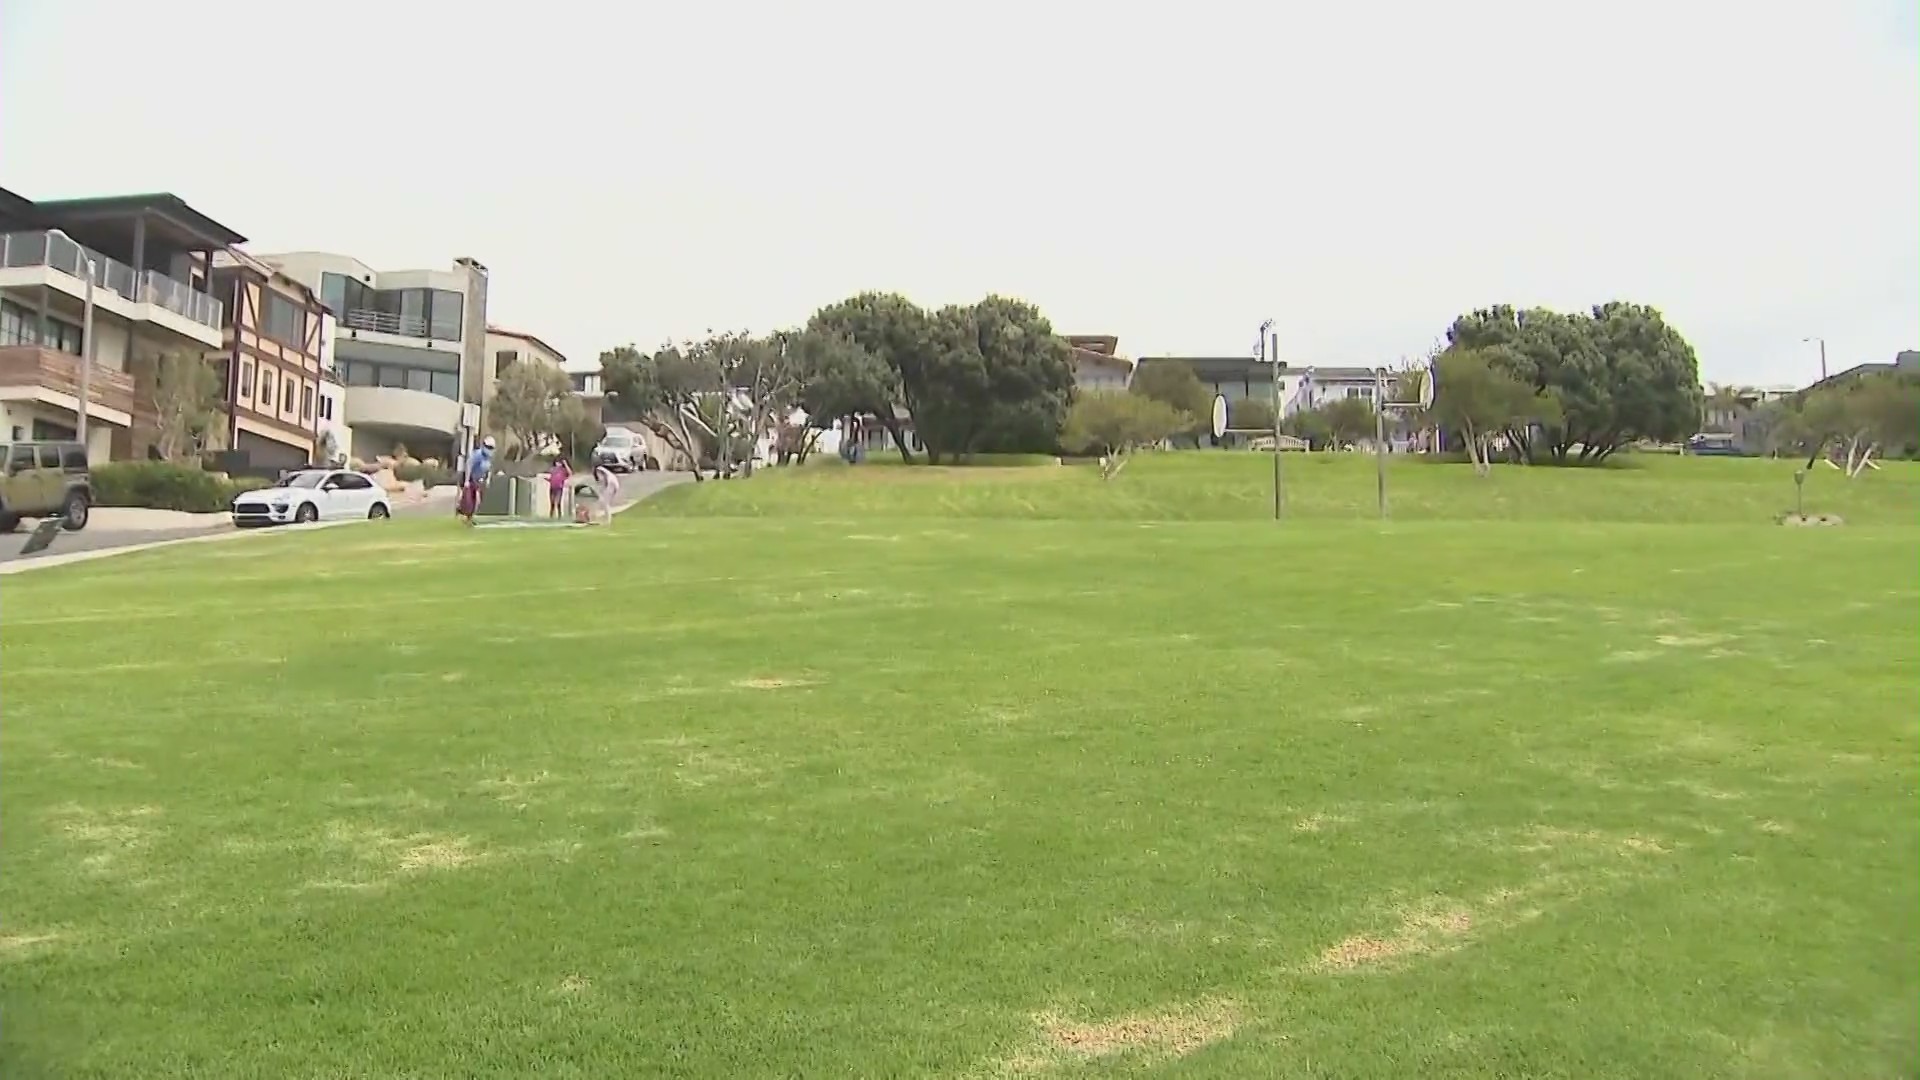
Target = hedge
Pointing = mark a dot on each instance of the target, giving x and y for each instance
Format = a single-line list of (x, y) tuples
[(163, 485), (428, 475)]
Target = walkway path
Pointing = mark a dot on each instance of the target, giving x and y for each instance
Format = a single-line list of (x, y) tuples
[(95, 542)]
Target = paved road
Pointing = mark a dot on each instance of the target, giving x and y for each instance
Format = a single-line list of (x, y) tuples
[(632, 489)]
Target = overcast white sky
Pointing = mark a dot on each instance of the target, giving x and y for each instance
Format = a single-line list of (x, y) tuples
[(1172, 174)]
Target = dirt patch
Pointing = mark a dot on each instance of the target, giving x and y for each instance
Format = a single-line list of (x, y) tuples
[(456, 676), (108, 835), (771, 683), (1774, 828), (1630, 656), (1693, 641), (1173, 1033), (15, 943), (1437, 929), (438, 855), (1317, 822), (572, 986)]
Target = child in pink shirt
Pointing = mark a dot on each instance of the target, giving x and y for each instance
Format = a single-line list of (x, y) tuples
[(557, 486)]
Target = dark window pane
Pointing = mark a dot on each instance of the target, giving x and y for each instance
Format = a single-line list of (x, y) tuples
[(446, 384), (447, 307)]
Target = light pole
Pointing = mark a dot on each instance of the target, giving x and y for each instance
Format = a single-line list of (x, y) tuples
[(1269, 350), (1823, 354), (85, 391)]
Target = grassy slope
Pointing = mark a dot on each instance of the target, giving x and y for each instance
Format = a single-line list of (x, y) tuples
[(1229, 486), (1617, 801)]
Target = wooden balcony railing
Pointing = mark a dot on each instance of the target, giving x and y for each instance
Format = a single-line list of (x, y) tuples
[(30, 365)]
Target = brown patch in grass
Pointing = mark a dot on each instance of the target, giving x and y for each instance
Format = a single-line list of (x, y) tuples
[(111, 835), (1316, 822), (771, 683), (16, 943), (1774, 828), (573, 985), (1438, 929), (1173, 1033), (438, 855)]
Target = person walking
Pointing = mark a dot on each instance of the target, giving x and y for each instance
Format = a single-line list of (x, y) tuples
[(479, 466), (557, 485)]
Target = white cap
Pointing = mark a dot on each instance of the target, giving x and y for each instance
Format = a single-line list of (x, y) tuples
[(487, 442)]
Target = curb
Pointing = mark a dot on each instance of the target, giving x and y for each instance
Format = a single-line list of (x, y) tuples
[(43, 562)]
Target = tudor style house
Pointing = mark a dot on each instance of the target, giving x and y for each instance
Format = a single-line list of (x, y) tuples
[(275, 357)]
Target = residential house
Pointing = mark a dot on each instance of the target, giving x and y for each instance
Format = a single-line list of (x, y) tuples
[(510, 347), (276, 358), (1097, 363), (410, 349), (149, 261)]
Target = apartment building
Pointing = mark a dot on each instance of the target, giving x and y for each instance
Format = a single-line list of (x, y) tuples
[(148, 259), (410, 351), (276, 355)]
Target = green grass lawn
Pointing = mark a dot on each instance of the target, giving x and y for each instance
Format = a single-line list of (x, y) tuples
[(857, 774), (1228, 485)]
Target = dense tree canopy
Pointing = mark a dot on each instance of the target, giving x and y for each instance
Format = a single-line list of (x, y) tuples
[(1616, 374)]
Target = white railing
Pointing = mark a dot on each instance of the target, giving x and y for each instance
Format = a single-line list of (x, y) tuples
[(59, 253), (385, 322)]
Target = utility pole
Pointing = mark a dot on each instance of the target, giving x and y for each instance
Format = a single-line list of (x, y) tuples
[(1823, 355), (1380, 437), (1270, 351)]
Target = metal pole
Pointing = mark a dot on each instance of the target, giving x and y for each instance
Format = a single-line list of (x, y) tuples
[(86, 360), (1380, 436), (1823, 359), (1270, 345)]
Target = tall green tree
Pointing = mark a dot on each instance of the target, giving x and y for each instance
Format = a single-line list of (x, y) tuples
[(895, 330), (528, 407), (1617, 374), (997, 379), (841, 378), (1477, 401), (1349, 420)]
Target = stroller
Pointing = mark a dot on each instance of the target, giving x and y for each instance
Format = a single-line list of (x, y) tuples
[(589, 502)]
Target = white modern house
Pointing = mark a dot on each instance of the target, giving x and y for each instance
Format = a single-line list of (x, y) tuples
[(410, 351)]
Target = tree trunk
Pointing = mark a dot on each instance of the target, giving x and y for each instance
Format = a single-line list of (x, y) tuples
[(899, 440)]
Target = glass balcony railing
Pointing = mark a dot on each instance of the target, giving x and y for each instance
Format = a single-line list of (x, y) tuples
[(152, 287)]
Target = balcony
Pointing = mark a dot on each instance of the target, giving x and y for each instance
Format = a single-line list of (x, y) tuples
[(56, 252), (29, 371), (404, 413)]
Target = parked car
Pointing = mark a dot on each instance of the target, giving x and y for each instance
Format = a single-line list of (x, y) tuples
[(621, 450), (1713, 444), (313, 495), (43, 480)]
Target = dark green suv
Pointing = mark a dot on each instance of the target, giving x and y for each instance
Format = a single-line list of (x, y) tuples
[(43, 480)]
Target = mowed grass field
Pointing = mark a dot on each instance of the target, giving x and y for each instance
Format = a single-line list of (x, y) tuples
[(858, 773)]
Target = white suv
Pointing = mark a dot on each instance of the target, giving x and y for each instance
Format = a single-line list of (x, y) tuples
[(620, 450)]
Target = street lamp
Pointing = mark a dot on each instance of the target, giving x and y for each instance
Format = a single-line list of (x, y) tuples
[(1823, 354), (85, 392)]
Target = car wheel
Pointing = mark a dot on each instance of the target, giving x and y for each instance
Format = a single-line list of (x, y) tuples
[(378, 512), (9, 523), (306, 515), (76, 511)]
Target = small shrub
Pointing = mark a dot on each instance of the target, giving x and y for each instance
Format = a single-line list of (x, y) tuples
[(429, 473), (163, 485)]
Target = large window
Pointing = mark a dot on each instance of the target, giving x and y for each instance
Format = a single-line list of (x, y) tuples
[(446, 311), (19, 326), (413, 312), (306, 403), (333, 293), (446, 384), (283, 320)]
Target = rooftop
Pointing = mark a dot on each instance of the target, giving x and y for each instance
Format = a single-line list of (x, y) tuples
[(167, 215), (502, 331), (1252, 370)]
